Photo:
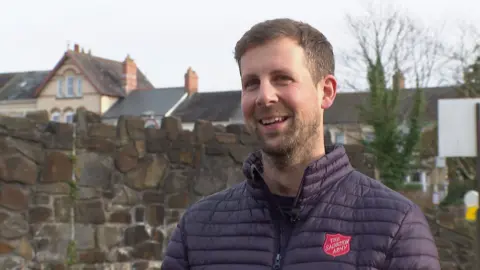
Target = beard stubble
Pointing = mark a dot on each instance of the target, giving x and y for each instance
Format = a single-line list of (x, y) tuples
[(296, 142)]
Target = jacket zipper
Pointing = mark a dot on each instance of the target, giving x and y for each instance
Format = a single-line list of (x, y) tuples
[(278, 257), (295, 212), (284, 233), (277, 264)]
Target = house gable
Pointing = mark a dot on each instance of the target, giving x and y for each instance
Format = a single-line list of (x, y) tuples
[(67, 88), (104, 75), (67, 66)]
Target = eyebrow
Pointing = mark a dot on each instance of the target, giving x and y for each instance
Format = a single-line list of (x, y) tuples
[(274, 72), (248, 77)]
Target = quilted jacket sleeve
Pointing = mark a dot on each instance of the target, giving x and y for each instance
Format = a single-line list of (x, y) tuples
[(413, 247), (176, 254)]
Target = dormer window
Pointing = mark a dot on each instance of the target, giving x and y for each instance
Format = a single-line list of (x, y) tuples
[(70, 87)]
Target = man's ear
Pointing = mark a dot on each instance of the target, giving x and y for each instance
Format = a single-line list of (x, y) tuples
[(329, 85)]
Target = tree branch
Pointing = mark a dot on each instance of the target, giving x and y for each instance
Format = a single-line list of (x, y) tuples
[(400, 42)]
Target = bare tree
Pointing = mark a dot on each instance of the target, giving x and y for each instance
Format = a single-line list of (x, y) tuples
[(392, 43), (399, 41), (463, 52)]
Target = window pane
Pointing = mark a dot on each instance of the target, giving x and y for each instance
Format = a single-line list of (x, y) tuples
[(79, 87), (69, 117), (60, 88), (70, 91), (56, 117)]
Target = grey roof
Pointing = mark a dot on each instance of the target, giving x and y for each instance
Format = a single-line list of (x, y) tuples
[(432, 95), (5, 77), (237, 115), (108, 73), (211, 106), (345, 107), (159, 100), (21, 85), (225, 106)]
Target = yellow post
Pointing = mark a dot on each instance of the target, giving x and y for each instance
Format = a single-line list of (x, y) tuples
[(471, 205)]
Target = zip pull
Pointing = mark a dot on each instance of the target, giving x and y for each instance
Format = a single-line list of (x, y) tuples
[(276, 266), (295, 213)]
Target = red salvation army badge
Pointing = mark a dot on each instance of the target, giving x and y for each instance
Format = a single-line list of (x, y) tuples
[(336, 244)]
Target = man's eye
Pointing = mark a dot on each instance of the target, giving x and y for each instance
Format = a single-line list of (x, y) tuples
[(283, 79), (250, 85)]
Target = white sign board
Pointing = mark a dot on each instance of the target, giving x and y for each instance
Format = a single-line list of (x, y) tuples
[(457, 128)]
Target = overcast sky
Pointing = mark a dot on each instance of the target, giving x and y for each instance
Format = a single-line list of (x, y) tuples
[(166, 37)]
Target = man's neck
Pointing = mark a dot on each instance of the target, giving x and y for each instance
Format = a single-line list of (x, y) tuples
[(285, 181)]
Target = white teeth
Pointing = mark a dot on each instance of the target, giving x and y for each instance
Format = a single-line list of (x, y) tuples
[(272, 120)]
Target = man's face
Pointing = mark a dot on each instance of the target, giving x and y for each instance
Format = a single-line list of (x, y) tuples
[(281, 103)]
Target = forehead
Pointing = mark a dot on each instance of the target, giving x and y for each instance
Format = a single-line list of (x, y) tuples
[(281, 54)]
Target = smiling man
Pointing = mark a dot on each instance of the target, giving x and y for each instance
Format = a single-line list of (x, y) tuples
[(302, 205)]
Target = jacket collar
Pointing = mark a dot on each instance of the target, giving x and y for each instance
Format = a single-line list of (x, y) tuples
[(320, 174)]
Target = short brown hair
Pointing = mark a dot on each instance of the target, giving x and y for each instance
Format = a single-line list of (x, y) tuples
[(318, 50)]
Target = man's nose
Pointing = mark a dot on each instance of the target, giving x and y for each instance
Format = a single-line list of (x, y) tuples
[(267, 94)]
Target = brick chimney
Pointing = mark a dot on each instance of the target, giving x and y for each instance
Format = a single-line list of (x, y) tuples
[(129, 74), (76, 47), (191, 81), (398, 79)]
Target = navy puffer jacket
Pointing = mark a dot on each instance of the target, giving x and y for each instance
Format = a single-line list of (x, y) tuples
[(341, 219)]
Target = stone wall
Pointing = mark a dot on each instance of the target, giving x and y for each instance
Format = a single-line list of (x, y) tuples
[(95, 196), (129, 187)]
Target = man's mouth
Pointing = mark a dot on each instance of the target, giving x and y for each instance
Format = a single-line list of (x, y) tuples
[(273, 120)]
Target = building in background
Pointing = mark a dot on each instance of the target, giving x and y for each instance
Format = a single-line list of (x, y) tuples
[(220, 108), (113, 88), (80, 79), (153, 104), (17, 90)]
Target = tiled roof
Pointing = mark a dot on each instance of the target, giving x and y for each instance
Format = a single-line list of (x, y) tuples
[(20, 85), (104, 74), (211, 106), (432, 95), (5, 77), (344, 109), (160, 101), (108, 74)]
